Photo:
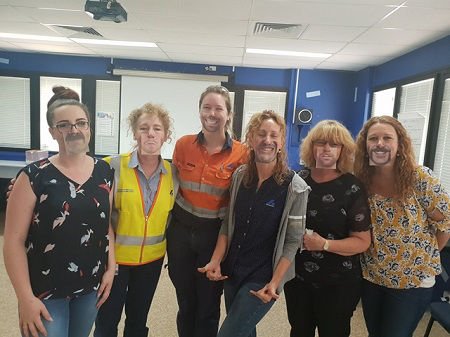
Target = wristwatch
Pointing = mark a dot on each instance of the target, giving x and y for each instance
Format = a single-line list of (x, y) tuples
[(326, 245)]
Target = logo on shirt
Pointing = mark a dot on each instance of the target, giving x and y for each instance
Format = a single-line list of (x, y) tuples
[(190, 164), (270, 203)]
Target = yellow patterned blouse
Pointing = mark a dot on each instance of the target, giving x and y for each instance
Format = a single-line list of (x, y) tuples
[(404, 252)]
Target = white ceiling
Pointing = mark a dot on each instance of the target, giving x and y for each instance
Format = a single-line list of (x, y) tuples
[(357, 33)]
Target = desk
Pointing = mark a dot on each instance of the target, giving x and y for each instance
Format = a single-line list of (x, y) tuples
[(9, 168)]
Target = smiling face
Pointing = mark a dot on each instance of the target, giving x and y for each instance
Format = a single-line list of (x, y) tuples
[(266, 141), (381, 144), (326, 154), (149, 134), (214, 113), (71, 129)]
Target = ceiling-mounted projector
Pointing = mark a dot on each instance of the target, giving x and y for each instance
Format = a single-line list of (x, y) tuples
[(106, 10)]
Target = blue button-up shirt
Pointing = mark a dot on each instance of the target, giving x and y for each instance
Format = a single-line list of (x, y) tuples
[(150, 186)]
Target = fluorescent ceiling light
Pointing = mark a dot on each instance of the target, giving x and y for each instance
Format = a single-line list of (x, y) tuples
[(286, 53), (85, 41), (116, 43), (34, 37)]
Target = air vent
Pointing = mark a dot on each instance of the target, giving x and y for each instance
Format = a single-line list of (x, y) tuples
[(75, 31), (278, 30)]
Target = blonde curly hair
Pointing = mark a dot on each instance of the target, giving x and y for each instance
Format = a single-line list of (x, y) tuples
[(152, 110), (330, 131), (405, 163)]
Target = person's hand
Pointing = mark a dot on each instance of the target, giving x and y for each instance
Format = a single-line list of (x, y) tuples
[(10, 187), (30, 311), (313, 241), (267, 293), (105, 286), (213, 272)]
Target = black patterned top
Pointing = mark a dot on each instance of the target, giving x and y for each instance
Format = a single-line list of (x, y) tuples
[(335, 208), (67, 244)]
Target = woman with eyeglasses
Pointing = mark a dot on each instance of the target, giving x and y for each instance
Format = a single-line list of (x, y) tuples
[(327, 285), (57, 237), (205, 163)]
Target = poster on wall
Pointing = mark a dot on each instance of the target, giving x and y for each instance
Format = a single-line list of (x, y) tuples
[(104, 124)]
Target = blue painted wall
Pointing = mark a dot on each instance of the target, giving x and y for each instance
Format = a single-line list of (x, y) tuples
[(429, 58), (337, 88)]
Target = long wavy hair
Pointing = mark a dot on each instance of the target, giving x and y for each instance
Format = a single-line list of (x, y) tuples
[(405, 162), (281, 169), (222, 91), (330, 131)]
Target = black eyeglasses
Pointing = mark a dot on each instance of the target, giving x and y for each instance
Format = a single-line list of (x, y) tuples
[(65, 127), (322, 143)]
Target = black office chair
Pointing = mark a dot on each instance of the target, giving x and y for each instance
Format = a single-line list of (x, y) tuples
[(440, 310)]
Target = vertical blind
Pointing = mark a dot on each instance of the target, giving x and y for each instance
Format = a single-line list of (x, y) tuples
[(383, 102), (107, 117), (442, 161), (15, 112), (258, 101), (414, 113)]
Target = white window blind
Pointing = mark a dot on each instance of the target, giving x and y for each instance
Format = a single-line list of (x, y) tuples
[(107, 117), (442, 158), (414, 112), (46, 85), (383, 102), (15, 112), (258, 101)]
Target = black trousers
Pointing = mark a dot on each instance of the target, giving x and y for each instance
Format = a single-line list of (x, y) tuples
[(329, 308), (134, 287), (190, 245)]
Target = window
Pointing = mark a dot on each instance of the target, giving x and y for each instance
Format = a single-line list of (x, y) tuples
[(47, 83), (383, 102), (414, 113), (107, 117), (15, 112), (258, 101), (442, 161)]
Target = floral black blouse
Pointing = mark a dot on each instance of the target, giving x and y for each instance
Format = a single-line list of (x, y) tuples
[(67, 244), (335, 208)]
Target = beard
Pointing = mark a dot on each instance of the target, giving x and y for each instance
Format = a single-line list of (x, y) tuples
[(376, 160), (76, 143)]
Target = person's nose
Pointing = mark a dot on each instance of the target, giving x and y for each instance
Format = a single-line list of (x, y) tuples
[(327, 146)]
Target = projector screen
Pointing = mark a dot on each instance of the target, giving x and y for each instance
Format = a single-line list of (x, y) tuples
[(179, 97)]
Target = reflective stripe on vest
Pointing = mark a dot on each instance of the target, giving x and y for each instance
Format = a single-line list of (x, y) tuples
[(140, 238), (198, 211), (204, 188)]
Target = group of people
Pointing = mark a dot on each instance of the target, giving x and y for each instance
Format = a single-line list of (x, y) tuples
[(84, 239)]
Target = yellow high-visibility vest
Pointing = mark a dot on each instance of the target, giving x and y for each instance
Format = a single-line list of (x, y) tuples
[(140, 238)]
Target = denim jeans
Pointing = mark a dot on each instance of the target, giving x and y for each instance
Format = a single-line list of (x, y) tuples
[(393, 312), (244, 310), (71, 317)]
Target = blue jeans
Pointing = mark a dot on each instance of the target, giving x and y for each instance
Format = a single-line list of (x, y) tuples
[(244, 310), (71, 317), (393, 312)]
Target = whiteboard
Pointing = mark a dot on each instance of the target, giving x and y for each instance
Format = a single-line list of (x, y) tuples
[(179, 97)]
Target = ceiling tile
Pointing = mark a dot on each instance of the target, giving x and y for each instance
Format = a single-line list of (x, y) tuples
[(429, 3), (418, 18), (206, 59), (332, 33), (66, 4), (54, 48), (210, 25), (396, 36), (204, 9), (341, 66), (319, 13), (294, 45), (29, 28), (280, 62), (10, 14), (203, 50), (357, 59), (77, 18), (373, 49)]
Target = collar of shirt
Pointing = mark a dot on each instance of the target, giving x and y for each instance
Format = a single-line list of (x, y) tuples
[(227, 145), (134, 162)]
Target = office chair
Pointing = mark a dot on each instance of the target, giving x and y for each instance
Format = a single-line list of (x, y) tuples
[(440, 310)]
